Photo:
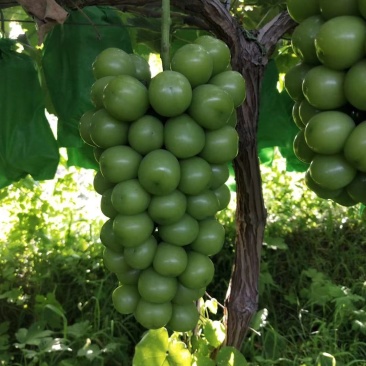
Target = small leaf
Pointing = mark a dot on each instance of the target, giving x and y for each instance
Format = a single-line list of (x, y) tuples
[(199, 360), (52, 345), (275, 243), (230, 356), (11, 294), (29, 354), (273, 344), (79, 329), (90, 352), (33, 335), (152, 349), (214, 332), (178, 354), (70, 362), (111, 347), (201, 346), (56, 310), (211, 305), (314, 274), (259, 320), (4, 327)]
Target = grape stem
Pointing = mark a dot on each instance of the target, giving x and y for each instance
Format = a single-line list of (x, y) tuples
[(165, 34)]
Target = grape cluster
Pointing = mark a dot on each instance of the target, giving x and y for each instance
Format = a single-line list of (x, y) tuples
[(328, 87), (163, 145)]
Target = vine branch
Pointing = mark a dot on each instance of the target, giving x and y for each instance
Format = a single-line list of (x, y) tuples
[(165, 34)]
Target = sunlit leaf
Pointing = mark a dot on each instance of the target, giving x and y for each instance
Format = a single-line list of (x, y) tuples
[(200, 360), (200, 346), (178, 354), (212, 305), (214, 332), (152, 349), (259, 320)]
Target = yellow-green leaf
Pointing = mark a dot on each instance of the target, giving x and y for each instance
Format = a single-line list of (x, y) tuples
[(152, 349)]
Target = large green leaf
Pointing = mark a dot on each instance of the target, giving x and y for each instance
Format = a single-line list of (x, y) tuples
[(276, 128), (69, 52), (27, 144), (81, 156)]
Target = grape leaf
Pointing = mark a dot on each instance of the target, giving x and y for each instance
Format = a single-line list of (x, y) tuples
[(212, 305), (230, 356), (214, 332), (152, 349), (178, 354), (276, 127), (199, 360), (201, 346)]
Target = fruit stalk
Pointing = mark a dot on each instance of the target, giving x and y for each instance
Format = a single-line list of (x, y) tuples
[(165, 34)]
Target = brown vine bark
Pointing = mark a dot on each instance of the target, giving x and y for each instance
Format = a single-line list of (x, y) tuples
[(250, 55)]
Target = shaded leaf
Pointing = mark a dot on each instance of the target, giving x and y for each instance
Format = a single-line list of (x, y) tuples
[(275, 126), (273, 344), (33, 335), (90, 351), (27, 144), (71, 50), (79, 329), (230, 356), (325, 359)]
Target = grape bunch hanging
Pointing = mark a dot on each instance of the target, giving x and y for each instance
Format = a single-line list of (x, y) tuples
[(163, 145), (328, 87)]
